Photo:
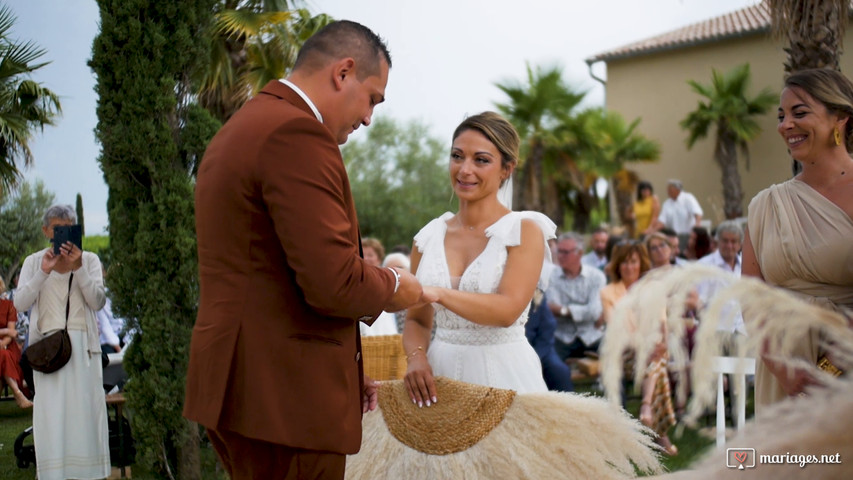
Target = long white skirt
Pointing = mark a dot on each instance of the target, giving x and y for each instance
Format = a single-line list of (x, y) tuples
[(70, 418), (511, 365)]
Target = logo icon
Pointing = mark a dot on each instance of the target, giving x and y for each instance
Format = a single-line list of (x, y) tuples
[(740, 458)]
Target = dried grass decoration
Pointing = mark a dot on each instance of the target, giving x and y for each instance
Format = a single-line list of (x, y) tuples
[(482, 432)]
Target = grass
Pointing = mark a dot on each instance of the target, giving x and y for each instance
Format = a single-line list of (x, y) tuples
[(693, 443), (14, 420)]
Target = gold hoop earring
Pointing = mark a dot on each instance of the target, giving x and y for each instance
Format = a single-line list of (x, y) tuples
[(837, 136)]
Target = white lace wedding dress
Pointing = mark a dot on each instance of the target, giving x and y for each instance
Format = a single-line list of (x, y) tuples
[(462, 350)]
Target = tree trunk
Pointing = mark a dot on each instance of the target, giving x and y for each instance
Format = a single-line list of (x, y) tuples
[(189, 460), (613, 202), (726, 156), (553, 205), (531, 195), (582, 209), (534, 181)]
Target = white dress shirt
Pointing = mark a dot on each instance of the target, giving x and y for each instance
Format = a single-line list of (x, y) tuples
[(730, 321), (304, 97), (680, 214)]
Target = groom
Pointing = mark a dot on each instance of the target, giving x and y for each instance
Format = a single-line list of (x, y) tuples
[(275, 370)]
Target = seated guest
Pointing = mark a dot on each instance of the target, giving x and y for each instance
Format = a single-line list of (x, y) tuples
[(597, 256), (659, 248), (676, 258), (540, 329), (397, 260), (573, 297), (23, 323), (373, 251), (729, 236), (386, 322), (628, 263), (110, 341), (614, 239), (698, 244), (10, 351)]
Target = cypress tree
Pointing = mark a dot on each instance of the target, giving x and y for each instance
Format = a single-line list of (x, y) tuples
[(151, 136), (80, 213)]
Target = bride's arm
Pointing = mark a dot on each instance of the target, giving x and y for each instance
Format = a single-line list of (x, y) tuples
[(521, 274), (417, 330)]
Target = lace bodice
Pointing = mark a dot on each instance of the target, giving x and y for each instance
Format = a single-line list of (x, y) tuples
[(483, 275)]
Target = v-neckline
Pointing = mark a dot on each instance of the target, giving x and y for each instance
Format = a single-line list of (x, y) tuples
[(465, 270)]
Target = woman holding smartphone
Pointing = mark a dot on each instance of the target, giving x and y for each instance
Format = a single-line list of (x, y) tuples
[(65, 289)]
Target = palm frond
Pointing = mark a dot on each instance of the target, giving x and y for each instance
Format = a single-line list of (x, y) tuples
[(243, 23), (255, 41), (7, 19)]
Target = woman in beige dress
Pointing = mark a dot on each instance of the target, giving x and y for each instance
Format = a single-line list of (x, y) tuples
[(799, 232)]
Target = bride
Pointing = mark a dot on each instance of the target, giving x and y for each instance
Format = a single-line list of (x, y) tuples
[(483, 265)]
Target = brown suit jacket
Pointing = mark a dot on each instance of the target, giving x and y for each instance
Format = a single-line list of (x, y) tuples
[(275, 353)]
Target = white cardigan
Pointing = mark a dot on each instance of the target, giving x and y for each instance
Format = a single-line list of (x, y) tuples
[(88, 280)]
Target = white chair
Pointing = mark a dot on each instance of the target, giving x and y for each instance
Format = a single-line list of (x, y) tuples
[(740, 367)]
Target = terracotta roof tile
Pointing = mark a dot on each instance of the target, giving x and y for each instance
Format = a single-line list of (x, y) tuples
[(747, 21)]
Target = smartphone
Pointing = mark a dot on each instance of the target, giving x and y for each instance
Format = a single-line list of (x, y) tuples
[(69, 233)]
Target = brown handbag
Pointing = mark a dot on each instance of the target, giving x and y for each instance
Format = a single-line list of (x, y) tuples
[(53, 351)]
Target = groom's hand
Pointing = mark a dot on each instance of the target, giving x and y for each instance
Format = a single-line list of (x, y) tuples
[(409, 294), (370, 395)]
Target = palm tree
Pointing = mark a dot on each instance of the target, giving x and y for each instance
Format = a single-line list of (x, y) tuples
[(536, 109), (253, 42), (24, 104), (727, 108), (608, 143), (814, 30)]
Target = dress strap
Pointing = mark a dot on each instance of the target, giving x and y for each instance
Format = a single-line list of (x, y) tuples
[(432, 230)]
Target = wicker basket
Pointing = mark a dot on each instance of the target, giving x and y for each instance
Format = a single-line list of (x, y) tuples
[(384, 358)]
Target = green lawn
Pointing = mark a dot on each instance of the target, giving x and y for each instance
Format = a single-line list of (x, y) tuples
[(13, 421)]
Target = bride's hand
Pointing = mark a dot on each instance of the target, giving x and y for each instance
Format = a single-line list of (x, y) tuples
[(419, 380), (432, 294)]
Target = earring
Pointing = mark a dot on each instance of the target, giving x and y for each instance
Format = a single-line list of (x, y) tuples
[(837, 136)]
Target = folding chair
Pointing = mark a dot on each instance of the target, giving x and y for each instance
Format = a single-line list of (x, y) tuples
[(740, 368)]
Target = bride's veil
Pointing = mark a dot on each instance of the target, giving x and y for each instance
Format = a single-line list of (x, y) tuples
[(505, 193)]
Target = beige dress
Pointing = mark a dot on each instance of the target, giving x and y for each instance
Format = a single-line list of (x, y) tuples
[(802, 243)]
